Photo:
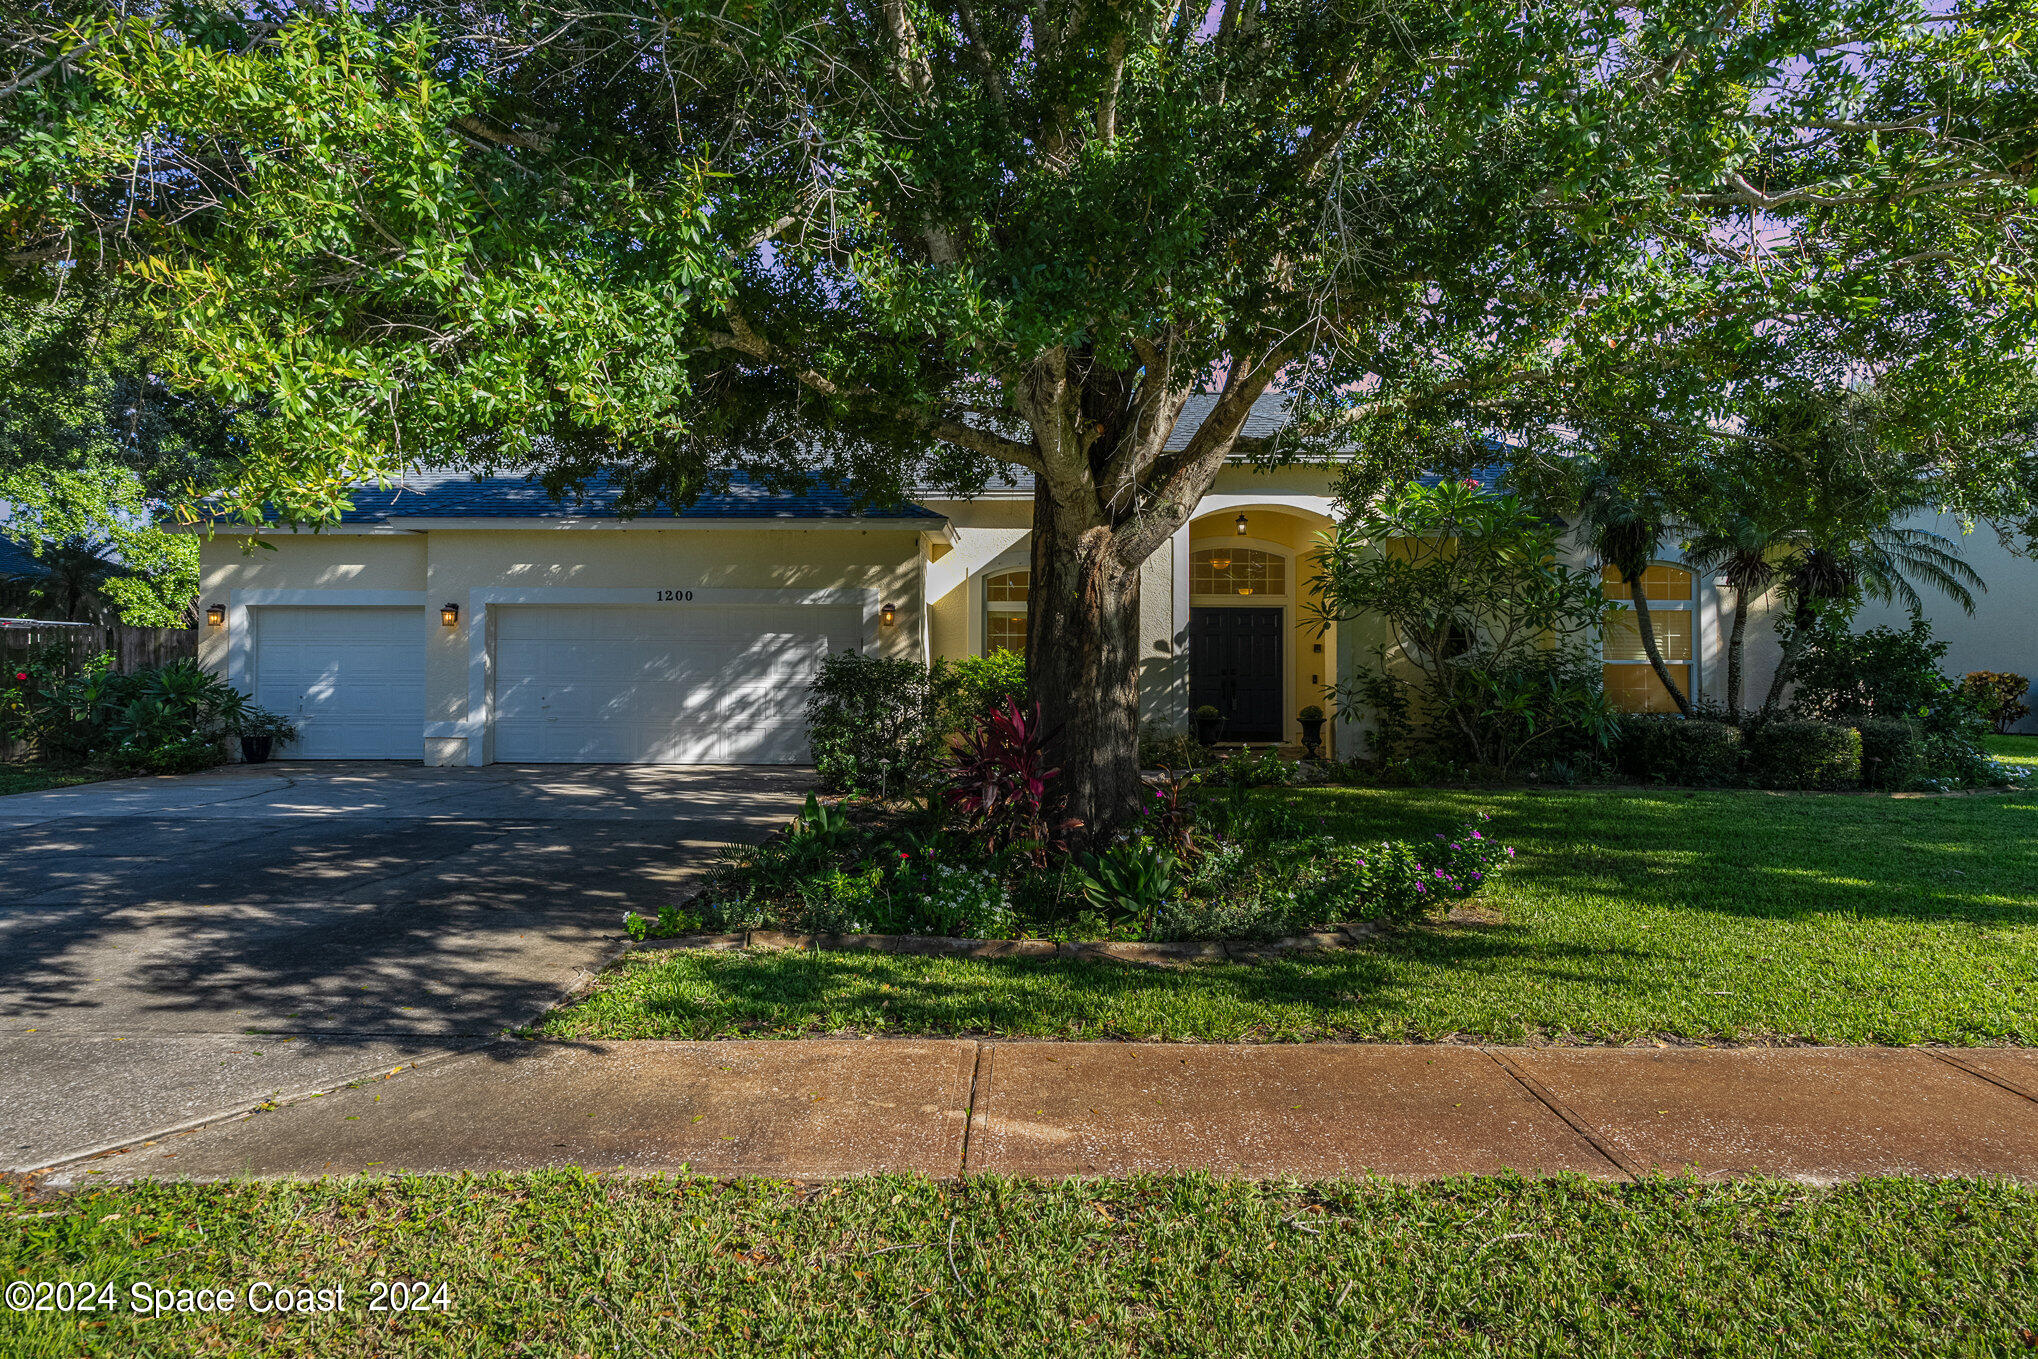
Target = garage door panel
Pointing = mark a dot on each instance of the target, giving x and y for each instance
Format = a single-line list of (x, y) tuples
[(353, 679), (709, 685)]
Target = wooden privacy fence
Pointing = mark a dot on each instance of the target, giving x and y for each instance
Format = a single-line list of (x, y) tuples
[(132, 648)]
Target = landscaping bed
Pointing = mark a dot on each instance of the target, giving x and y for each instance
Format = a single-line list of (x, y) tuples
[(34, 778), (568, 1263), (1204, 861), (1630, 915)]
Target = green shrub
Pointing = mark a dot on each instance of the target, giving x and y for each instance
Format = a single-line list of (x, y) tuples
[(1998, 696), (1893, 753), (1673, 749), (1160, 748), (872, 722), (1796, 753), (164, 719), (969, 689), (1844, 676)]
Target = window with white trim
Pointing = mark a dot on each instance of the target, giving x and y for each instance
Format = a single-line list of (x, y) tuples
[(1631, 682), (1005, 594)]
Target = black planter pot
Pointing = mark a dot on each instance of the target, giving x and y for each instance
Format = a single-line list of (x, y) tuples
[(1312, 735), (1208, 729), (255, 749)]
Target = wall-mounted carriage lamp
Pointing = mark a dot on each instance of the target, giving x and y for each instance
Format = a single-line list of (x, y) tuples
[(1240, 521), (888, 615), (215, 615), (449, 615)]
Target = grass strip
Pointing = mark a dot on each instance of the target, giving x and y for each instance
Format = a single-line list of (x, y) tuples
[(1710, 916), (568, 1263)]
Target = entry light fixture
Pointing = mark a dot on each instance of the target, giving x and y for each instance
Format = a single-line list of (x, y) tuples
[(1240, 521), (1245, 589), (1220, 563), (449, 614), (215, 615), (888, 615)]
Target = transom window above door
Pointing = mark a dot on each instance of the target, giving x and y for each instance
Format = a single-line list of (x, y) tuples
[(1005, 594), (1241, 572)]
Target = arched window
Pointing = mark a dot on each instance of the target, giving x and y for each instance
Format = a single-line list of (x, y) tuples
[(1237, 571), (1005, 611), (1631, 683)]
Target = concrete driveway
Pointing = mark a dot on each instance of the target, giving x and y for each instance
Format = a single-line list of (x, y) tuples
[(176, 948)]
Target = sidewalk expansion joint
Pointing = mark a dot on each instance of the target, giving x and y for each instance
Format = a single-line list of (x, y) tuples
[(1543, 1095), (979, 1078), (1960, 1064)]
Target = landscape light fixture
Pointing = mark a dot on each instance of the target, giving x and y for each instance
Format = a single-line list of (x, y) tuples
[(1240, 521), (449, 614), (888, 615), (215, 615)]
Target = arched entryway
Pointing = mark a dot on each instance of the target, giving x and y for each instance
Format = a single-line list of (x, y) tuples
[(1254, 651)]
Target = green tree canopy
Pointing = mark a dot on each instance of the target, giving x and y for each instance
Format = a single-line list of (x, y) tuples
[(900, 242)]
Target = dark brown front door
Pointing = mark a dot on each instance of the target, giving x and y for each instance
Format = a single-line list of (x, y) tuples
[(1235, 667)]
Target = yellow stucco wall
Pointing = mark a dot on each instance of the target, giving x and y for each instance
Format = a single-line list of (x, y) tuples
[(448, 564), (301, 561)]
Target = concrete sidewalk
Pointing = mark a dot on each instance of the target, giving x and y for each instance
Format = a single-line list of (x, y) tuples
[(820, 1108)]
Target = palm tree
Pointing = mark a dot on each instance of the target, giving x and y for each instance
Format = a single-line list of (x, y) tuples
[(70, 583), (1743, 551), (1878, 563), (1624, 525), (1830, 486)]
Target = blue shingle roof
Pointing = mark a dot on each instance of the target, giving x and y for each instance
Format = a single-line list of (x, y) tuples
[(1490, 476), (459, 496)]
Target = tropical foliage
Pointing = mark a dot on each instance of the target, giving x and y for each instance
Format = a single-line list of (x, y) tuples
[(1491, 632), (160, 720), (908, 243)]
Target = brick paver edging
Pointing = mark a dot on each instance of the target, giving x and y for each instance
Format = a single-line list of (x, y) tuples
[(1123, 951)]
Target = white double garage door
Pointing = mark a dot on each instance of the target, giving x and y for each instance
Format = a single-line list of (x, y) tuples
[(570, 684)]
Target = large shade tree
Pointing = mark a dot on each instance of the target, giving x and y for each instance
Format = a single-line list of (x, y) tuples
[(903, 243)]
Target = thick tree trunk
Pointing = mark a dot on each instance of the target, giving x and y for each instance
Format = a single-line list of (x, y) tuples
[(1646, 625), (1735, 651), (1082, 661)]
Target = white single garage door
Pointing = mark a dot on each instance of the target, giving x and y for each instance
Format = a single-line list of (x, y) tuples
[(693, 684), (353, 679)]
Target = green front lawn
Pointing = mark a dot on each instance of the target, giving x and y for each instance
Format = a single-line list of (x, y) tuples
[(565, 1263), (2017, 750), (1710, 915), (33, 778)]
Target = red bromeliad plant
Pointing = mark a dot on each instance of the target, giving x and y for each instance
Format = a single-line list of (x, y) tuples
[(1002, 784)]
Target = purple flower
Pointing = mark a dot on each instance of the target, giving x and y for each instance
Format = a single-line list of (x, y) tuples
[(1510, 851), (1422, 887), (1478, 835)]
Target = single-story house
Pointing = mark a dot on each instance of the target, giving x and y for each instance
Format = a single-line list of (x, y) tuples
[(471, 621)]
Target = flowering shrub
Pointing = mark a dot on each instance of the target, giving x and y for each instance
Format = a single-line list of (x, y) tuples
[(1399, 882), (967, 902), (670, 922)]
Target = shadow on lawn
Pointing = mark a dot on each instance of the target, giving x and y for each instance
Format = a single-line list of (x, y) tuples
[(1747, 854), (706, 995)]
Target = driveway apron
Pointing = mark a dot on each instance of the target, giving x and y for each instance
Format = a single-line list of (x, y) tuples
[(172, 949)]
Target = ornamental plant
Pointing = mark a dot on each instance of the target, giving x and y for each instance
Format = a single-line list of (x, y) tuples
[(1998, 695), (1001, 783), (1491, 633)]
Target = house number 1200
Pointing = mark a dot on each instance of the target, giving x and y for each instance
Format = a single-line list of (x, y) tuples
[(675, 596)]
